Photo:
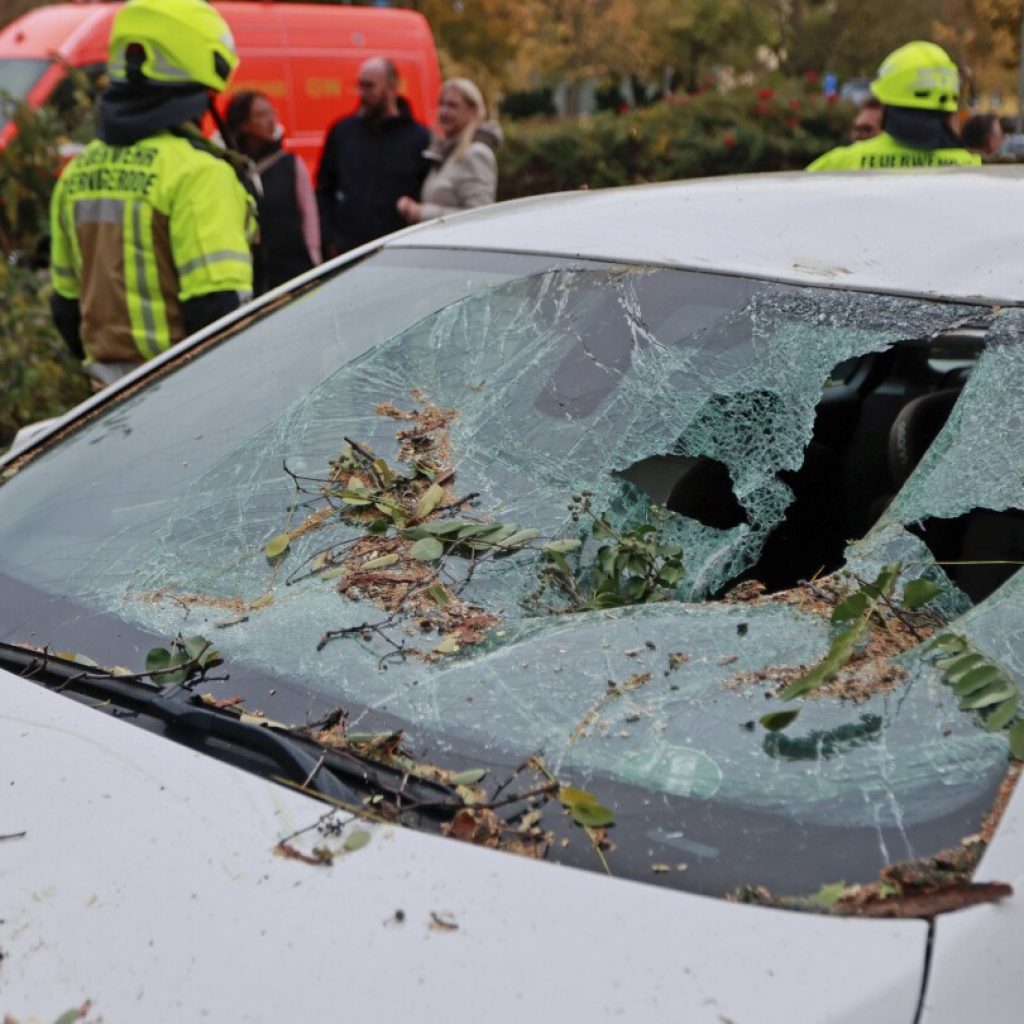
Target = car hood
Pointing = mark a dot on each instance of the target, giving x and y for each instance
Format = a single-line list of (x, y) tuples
[(150, 880)]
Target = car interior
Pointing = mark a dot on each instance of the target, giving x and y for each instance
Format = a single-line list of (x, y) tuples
[(877, 416)]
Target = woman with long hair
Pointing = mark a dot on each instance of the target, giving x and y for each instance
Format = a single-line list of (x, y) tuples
[(289, 223), (465, 169)]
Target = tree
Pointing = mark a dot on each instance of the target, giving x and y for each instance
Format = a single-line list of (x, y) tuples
[(486, 40), (983, 36), (693, 37), (847, 37)]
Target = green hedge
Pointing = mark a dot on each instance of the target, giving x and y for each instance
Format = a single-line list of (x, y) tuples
[(38, 376), (744, 130)]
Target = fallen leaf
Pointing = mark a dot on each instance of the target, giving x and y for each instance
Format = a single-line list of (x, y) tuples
[(431, 498), (776, 720), (379, 563), (585, 808), (828, 895), (443, 922), (277, 546), (427, 549), (355, 841)]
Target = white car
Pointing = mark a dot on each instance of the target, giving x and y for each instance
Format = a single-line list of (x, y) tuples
[(527, 615)]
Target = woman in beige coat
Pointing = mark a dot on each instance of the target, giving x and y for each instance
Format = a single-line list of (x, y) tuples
[(465, 171)]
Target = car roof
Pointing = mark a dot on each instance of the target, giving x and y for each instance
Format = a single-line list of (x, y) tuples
[(947, 234)]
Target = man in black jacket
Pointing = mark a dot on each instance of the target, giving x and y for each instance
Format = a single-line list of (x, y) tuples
[(369, 160)]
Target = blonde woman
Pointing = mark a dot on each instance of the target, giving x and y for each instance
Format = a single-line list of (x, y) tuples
[(465, 170)]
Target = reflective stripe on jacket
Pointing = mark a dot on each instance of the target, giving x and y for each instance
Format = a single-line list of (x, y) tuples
[(139, 229), (883, 152)]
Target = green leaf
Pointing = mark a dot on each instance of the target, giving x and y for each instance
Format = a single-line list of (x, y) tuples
[(194, 645), (828, 895), (491, 539), (1016, 736), (383, 470), (1001, 716), (774, 721), (429, 500), (469, 777), (477, 530), (956, 668), (637, 565), (839, 653), (438, 528), (559, 560), (994, 693), (378, 527), (427, 549), (277, 546), (851, 608), (502, 534), (210, 657), (670, 574), (439, 595), (884, 581), (521, 537), (424, 468), (846, 642), (585, 808), (72, 1015), (971, 682), (952, 643), (333, 574), (355, 841), (811, 680), (919, 592), (379, 563), (596, 816), (178, 659), (158, 659), (561, 547), (357, 498), (78, 659)]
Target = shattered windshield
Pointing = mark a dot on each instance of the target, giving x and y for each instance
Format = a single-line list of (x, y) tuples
[(527, 507)]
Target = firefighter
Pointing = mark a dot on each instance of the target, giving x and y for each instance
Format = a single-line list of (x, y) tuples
[(919, 88), (151, 223)]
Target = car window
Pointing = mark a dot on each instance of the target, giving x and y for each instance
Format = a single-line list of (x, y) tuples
[(224, 499)]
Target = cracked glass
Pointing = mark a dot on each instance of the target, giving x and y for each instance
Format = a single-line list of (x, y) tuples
[(737, 403)]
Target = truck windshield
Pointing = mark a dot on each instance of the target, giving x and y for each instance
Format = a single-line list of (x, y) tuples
[(17, 76)]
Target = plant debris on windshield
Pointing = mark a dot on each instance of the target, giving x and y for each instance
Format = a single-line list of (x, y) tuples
[(413, 523)]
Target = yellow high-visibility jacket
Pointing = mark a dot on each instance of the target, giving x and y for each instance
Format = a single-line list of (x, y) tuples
[(137, 230), (883, 152)]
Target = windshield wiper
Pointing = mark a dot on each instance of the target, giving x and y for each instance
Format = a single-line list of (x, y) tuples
[(338, 775)]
